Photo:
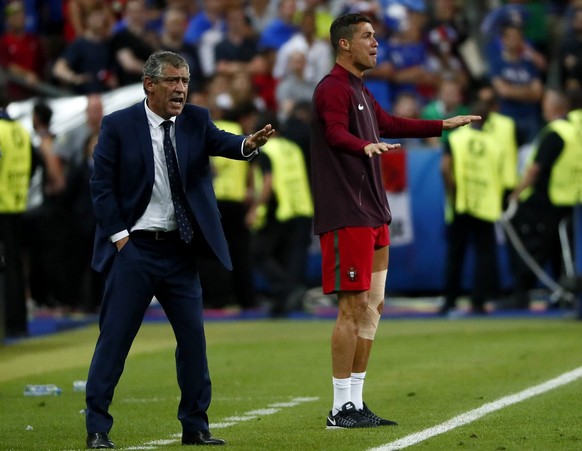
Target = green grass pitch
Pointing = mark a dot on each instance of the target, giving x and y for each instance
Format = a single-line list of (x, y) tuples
[(272, 386)]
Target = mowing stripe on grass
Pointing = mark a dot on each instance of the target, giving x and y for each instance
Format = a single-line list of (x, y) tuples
[(472, 415), (230, 421)]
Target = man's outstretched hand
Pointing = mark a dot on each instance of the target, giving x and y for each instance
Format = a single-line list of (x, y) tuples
[(379, 148), (259, 138), (459, 121)]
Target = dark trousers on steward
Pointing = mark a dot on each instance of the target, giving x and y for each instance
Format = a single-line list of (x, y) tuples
[(464, 232)]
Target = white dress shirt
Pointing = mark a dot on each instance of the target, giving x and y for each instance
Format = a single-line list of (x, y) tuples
[(159, 214)]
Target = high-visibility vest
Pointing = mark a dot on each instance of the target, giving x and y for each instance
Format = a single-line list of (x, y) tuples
[(230, 176), (575, 116), (290, 179), (565, 184), (502, 128), (478, 163), (15, 166)]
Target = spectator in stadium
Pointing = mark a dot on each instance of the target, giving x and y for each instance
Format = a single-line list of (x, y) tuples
[(529, 16), (317, 51), (406, 105), (172, 38), (210, 16), (408, 54), (15, 168), (70, 146), (449, 102), (447, 26), (239, 45), (324, 16), (154, 218), (22, 54), (86, 65), (545, 194), (76, 13), (243, 91), (280, 29), (129, 45), (447, 29), (378, 80), (570, 56), (261, 70), (260, 13), (347, 125), (293, 88), (517, 83), (472, 170)]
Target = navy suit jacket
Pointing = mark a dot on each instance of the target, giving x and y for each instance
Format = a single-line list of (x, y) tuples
[(123, 178)]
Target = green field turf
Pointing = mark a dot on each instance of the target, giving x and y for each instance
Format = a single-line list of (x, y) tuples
[(272, 386)]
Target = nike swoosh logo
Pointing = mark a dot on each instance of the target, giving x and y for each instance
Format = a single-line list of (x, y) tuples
[(331, 421), (360, 107)]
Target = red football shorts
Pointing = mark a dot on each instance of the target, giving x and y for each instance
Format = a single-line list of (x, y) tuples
[(347, 256)]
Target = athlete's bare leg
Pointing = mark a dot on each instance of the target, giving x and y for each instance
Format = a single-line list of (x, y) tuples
[(364, 346), (350, 353)]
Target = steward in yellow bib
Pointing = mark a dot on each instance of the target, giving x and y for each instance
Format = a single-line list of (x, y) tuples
[(550, 186), (472, 169), (233, 186), (15, 171), (15, 166), (282, 242), (502, 129)]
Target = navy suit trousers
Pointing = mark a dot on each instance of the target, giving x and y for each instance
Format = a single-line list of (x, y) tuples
[(145, 268)]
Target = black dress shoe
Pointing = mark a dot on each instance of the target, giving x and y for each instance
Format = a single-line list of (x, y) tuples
[(99, 440), (201, 438)]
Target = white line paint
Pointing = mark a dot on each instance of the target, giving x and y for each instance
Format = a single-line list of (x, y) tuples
[(472, 415), (230, 421)]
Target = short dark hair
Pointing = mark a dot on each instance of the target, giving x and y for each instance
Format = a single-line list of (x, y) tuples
[(158, 61), (344, 27), (43, 112)]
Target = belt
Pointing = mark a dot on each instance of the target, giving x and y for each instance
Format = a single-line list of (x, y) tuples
[(157, 235)]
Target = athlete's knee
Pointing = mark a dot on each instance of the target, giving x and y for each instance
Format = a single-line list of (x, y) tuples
[(371, 317)]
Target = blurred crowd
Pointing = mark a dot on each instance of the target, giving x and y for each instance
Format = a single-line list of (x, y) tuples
[(257, 60)]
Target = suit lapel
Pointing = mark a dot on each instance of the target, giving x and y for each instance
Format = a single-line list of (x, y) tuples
[(144, 141)]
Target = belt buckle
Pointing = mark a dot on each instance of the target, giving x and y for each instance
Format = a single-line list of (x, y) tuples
[(159, 236)]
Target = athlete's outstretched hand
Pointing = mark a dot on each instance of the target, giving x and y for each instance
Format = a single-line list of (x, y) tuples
[(459, 121), (379, 148)]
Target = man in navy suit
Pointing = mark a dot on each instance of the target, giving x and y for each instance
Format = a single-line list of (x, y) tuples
[(156, 212)]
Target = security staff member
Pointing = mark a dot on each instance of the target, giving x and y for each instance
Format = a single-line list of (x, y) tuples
[(282, 213), (15, 168), (551, 185), (233, 186), (472, 169)]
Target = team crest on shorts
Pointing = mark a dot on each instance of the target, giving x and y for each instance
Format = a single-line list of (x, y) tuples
[(352, 274)]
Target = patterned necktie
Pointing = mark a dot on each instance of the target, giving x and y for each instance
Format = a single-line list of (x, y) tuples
[(178, 198)]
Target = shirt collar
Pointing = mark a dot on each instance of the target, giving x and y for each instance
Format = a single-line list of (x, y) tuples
[(153, 119)]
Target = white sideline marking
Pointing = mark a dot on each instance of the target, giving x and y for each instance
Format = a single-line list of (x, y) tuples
[(229, 421), (472, 415)]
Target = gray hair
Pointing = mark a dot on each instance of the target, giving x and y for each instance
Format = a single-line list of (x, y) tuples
[(158, 61)]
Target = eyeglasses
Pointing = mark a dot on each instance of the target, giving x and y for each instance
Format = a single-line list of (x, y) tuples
[(173, 81)]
